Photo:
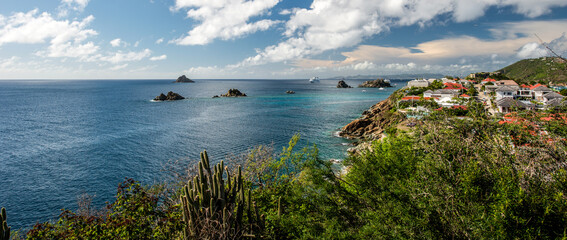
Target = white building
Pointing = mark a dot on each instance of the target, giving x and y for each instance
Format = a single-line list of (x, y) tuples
[(440, 93), (538, 92), (418, 83), (506, 92)]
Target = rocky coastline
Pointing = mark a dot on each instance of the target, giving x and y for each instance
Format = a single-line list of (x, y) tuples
[(371, 125)]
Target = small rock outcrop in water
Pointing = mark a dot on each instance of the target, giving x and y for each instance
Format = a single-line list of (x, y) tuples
[(171, 96), (342, 84), (234, 93), (216, 96), (378, 83), (184, 79), (290, 92)]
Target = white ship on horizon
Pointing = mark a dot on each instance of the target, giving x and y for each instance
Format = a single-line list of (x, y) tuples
[(314, 80)]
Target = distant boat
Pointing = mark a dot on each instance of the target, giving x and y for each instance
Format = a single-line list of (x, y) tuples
[(314, 80), (381, 88)]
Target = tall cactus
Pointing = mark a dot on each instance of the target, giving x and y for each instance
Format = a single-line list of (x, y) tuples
[(4, 229), (214, 207)]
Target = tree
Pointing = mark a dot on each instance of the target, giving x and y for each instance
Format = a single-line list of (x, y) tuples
[(563, 92)]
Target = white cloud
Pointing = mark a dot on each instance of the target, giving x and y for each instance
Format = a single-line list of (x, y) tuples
[(119, 56), (116, 42), (73, 5), (535, 50), (531, 50), (224, 19), (118, 67), (66, 38), (159, 41), (335, 24), (158, 58), (8, 64), (78, 5)]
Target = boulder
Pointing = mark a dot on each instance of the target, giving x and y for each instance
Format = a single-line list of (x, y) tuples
[(184, 79), (234, 93), (342, 84), (378, 83), (171, 96), (216, 96)]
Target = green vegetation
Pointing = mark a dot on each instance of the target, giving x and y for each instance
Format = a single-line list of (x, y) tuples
[(137, 213), (449, 178), (535, 70), (419, 90), (213, 209), (4, 229)]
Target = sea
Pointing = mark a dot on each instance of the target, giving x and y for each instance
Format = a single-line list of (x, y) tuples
[(60, 139)]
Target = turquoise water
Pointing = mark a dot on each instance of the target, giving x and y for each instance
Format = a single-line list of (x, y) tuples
[(60, 139)]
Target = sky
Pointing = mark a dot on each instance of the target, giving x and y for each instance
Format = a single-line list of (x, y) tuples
[(272, 39)]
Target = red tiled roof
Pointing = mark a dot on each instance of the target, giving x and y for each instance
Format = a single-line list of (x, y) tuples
[(489, 80), (465, 96), (534, 86), (454, 86)]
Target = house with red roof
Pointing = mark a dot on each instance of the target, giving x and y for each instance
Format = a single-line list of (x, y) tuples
[(454, 86), (487, 80)]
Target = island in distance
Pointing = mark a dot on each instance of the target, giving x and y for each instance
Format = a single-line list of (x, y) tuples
[(343, 84), (171, 96), (378, 83), (233, 92), (183, 79)]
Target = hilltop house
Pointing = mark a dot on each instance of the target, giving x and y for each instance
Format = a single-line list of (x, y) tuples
[(550, 96), (418, 83), (440, 93), (538, 92), (505, 91), (507, 105)]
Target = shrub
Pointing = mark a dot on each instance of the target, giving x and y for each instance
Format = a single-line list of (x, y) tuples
[(137, 213)]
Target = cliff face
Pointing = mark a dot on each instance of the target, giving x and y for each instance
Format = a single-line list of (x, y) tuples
[(373, 122)]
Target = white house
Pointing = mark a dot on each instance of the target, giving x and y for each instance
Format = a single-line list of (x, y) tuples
[(418, 83), (506, 92), (550, 96), (539, 91), (506, 105), (440, 93)]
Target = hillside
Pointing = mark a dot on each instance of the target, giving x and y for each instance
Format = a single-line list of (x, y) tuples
[(540, 69)]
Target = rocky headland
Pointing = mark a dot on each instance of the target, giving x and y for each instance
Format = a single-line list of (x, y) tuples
[(171, 96), (343, 84), (184, 79), (373, 122), (233, 92), (378, 83)]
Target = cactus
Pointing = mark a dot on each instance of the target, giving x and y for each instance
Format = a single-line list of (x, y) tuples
[(212, 202), (4, 229)]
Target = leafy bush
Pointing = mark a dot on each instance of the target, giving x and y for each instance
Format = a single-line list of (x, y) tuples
[(137, 213)]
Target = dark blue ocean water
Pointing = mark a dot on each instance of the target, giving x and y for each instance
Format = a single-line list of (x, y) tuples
[(59, 139)]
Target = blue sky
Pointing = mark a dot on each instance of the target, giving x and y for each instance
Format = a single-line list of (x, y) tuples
[(157, 39)]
